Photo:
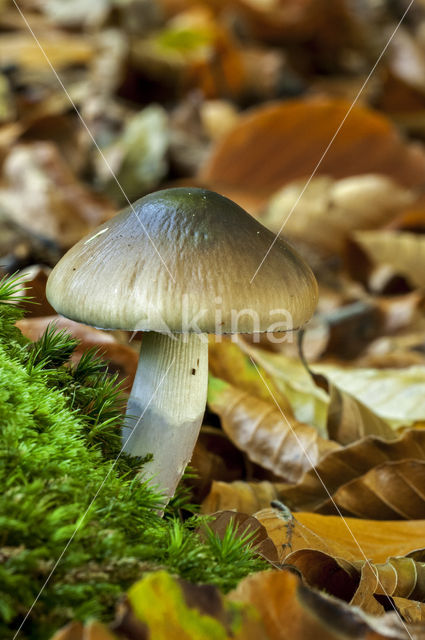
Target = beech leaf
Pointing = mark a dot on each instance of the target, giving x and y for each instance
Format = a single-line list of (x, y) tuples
[(402, 250), (340, 468), (351, 539), (275, 440), (248, 163)]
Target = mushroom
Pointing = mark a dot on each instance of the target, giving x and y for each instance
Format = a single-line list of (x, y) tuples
[(178, 265)]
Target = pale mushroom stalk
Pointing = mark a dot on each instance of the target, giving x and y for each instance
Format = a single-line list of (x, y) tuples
[(167, 404)]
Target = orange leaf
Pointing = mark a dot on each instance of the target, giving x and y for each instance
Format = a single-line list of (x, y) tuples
[(277, 143)]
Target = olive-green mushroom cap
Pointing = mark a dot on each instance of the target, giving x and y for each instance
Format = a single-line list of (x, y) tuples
[(115, 277)]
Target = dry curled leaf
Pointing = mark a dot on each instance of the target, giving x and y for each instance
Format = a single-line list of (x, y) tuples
[(349, 419), (287, 379), (390, 491), (270, 437), (275, 144), (290, 609), (360, 582), (412, 611), (340, 468), (352, 539), (398, 577)]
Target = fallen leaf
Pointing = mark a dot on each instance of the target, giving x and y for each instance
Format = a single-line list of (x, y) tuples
[(58, 48), (95, 630), (72, 631), (227, 361), (328, 24), (137, 158), (290, 609), (349, 419), (403, 251), (76, 13), (330, 210), (352, 539), (337, 411), (358, 583), (166, 606), (214, 458), (270, 437), (339, 468), (218, 117), (287, 379), (245, 497), (397, 396), (364, 320), (34, 281), (398, 577), (249, 164), (244, 524), (390, 491), (412, 611), (43, 196)]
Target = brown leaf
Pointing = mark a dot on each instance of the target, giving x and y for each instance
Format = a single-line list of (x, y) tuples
[(397, 577), (249, 163), (411, 610), (247, 497), (34, 281), (289, 609), (284, 378), (339, 468), (324, 24), (352, 539), (97, 631), (214, 458), (271, 438), (349, 419), (363, 320), (333, 575), (72, 631), (358, 583), (390, 491)]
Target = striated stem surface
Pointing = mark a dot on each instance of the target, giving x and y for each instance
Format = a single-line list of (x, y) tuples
[(167, 404)]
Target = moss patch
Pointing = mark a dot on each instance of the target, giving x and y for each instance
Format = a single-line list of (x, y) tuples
[(60, 479)]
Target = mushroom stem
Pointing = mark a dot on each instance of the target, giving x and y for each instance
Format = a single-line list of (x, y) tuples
[(167, 404)]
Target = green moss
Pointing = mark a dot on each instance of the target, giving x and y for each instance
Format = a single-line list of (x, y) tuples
[(63, 479)]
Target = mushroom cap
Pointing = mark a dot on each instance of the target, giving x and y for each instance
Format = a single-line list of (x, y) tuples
[(115, 277)]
